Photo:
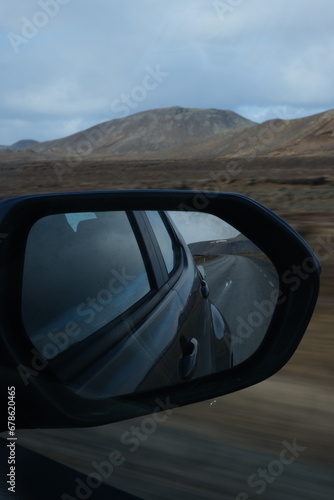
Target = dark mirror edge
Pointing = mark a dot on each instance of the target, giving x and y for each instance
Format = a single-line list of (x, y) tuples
[(58, 407)]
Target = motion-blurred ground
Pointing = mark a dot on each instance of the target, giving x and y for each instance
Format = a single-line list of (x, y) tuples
[(210, 450)]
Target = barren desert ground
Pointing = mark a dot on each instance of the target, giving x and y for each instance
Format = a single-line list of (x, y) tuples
[(297, 403)]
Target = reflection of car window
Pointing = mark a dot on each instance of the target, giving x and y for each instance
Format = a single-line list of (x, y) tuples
[(163, 238), (86, 276)]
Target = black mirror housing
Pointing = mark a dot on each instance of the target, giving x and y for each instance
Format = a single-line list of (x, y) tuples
[(43, 401)]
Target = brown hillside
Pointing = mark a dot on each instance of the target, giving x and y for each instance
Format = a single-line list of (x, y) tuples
[(148, 131)]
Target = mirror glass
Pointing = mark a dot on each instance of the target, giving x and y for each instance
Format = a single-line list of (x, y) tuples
[(117, 302)]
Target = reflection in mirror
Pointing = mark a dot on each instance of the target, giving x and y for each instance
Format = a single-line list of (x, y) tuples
[(243, 282), (118, 302)]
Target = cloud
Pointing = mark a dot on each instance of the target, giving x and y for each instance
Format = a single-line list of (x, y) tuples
[(254, 56), (59, 97)]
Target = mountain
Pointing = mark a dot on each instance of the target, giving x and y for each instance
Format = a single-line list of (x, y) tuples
[(309, 136), (233, 246), (25, 143), (149, 131), (184, 133)]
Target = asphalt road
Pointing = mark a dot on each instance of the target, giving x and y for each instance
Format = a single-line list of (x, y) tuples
[(243, 289)]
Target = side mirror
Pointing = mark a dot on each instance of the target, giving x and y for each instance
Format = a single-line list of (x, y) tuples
[(112, 302)]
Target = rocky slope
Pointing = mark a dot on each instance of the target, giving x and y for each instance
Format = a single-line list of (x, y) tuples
[(182, 133), (149, 131)]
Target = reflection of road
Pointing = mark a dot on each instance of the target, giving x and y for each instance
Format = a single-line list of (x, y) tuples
[(241, 289)]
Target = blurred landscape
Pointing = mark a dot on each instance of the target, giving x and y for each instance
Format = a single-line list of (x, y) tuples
[(209, 450)]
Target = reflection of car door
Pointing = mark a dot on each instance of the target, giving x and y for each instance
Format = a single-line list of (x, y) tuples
[(128, 301), (148, 353), (89, 273), (189, 354), (102, 284), (132, 342), (156, 349)]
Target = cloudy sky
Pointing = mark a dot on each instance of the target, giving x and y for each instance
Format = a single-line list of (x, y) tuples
[(69, 64)]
